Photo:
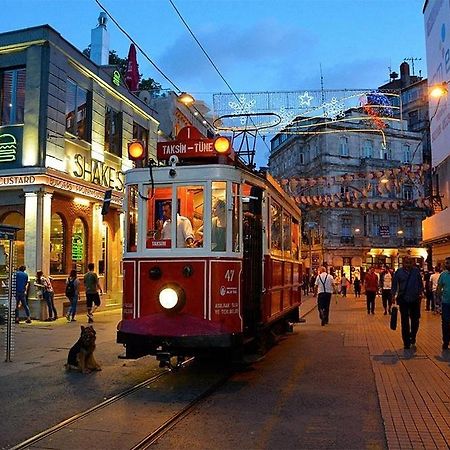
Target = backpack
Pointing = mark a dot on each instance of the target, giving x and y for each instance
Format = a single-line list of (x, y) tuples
[(70, 288)]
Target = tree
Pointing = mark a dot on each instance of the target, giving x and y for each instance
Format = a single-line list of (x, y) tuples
[(145, 84)]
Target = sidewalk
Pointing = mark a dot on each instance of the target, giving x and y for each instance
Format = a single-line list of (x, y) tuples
[(413, 385)]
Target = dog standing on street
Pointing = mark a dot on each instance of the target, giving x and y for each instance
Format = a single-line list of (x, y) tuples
[(81, 355)]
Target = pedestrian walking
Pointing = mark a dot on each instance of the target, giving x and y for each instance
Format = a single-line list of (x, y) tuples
[(371, 287), (312, 283), (444, 293), (386, 289), (428, 290), (22, 286), (344, 285), (305, 284), (407, 287), (324, 286), (436, 305), (48, 294), (92, 287), (73, 294), (357, 287)]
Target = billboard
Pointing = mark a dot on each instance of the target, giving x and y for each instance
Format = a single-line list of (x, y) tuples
[(437, 40)]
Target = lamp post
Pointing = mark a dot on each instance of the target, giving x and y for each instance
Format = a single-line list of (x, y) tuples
[(311, 226)]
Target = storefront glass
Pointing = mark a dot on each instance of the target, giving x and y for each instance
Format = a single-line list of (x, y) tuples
[(57, 250), (16, 219), (79, 243)]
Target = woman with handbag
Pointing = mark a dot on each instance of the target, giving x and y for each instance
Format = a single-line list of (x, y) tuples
[(47, 292)]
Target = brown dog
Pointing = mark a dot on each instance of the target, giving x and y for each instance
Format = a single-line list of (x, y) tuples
[(81, 355)]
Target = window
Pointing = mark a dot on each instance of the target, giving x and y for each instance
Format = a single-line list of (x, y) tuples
[(79, 243), (57, 249), (219, 217), (376, 222), (409, 228), (368, 149), (141, 134), (406, 153), (287, 237), (236, 218), (275, 228), (408, 192), (16, 219), (393, 225), (113, 131), (343, 146), (12, 96), (295, 239), (301, 157), (346, 226), (132, 219), (77, 111)]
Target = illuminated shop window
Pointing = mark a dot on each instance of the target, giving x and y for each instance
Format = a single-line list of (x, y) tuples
[(12, 96), (79, 244), (113, 131), (16, 219), (57, 250), (77, 111)]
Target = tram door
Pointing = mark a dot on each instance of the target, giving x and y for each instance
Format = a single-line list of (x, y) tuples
[(252, 265)]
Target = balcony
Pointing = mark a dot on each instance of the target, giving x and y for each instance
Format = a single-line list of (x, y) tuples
[(349, 240)]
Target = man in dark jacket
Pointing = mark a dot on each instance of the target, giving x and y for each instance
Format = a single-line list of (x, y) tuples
[(407, 289)]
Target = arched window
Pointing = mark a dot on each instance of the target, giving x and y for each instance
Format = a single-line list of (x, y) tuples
[(79, 244), (57, 249), (343, 146), (16, 219)]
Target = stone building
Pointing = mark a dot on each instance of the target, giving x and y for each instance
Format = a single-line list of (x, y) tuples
[(376, 219), (65, 122)]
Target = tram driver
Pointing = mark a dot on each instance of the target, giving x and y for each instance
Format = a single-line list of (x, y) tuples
[(185, 235)]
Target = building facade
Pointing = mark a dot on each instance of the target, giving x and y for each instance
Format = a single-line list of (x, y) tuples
[(65, 123), (353, 222)]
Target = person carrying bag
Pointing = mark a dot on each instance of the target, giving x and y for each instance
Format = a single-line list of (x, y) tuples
[(325, 287)]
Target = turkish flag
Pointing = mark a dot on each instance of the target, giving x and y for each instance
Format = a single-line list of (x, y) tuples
[(132, 75)]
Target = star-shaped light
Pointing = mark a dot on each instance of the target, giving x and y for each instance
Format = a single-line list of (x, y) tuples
[(305, 99)]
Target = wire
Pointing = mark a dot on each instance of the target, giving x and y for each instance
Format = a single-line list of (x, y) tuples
[(147, 57), (208, 57)]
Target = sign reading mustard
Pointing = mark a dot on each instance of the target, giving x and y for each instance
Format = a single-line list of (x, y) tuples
[(98, 172)]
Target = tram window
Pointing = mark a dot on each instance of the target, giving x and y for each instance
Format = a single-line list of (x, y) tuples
[(287, 242), (132, 218), (159, 218), (236, 218), (219, 216), (275, 229), (295, 239), (190, 216)]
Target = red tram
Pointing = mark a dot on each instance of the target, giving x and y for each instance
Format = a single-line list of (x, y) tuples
[(226, 274)]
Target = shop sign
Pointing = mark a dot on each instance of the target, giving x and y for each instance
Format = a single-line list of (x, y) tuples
[(116, 78), (384, 230), (98, 172), (11, 147), (77, 248)]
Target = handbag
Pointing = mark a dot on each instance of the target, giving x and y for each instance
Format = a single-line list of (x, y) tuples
[(394, 317)]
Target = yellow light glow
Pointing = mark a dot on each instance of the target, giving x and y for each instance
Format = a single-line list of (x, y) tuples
[(357, 230), (186, 99), (221, 145), (438, 91), (136, 150), (384, 180), (81, 201), (400, 232)]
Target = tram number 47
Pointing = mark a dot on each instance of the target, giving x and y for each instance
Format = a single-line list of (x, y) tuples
[(229, 275)]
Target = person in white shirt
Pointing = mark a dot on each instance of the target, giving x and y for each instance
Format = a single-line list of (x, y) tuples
[(436, 305), (324, 288), (386, 289), (185, 235)]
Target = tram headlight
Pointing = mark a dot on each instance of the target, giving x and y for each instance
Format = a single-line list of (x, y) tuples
[(171, 298)]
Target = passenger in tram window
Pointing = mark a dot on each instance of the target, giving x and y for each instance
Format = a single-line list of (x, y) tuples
[(185, 235), (218, 227)]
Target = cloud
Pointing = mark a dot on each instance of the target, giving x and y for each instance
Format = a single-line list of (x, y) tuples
[(248, 58)]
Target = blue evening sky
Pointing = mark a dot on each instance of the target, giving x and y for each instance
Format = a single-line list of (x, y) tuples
[(258, 45)]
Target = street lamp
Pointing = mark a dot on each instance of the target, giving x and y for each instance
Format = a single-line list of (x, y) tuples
[(186, 99), (439, 90)]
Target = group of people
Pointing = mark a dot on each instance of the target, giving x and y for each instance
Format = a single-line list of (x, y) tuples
[(405, 288), (45, 291)]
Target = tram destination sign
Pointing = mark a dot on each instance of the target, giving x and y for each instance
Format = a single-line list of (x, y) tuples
[(186, 149)]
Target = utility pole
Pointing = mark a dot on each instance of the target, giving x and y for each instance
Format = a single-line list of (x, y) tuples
[(412, 59)]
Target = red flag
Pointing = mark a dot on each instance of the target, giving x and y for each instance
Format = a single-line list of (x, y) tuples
[(132, 75)]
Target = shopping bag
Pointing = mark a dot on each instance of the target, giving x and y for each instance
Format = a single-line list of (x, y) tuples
[(394, 316)]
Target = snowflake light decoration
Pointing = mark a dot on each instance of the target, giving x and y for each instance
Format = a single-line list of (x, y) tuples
[(334, 109), (242, 107), (286, 117), (305, 99)]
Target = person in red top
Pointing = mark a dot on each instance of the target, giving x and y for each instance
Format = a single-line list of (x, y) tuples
[(371, 286)]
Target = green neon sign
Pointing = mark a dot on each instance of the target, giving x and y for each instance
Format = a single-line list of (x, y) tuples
[(116, 78)]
